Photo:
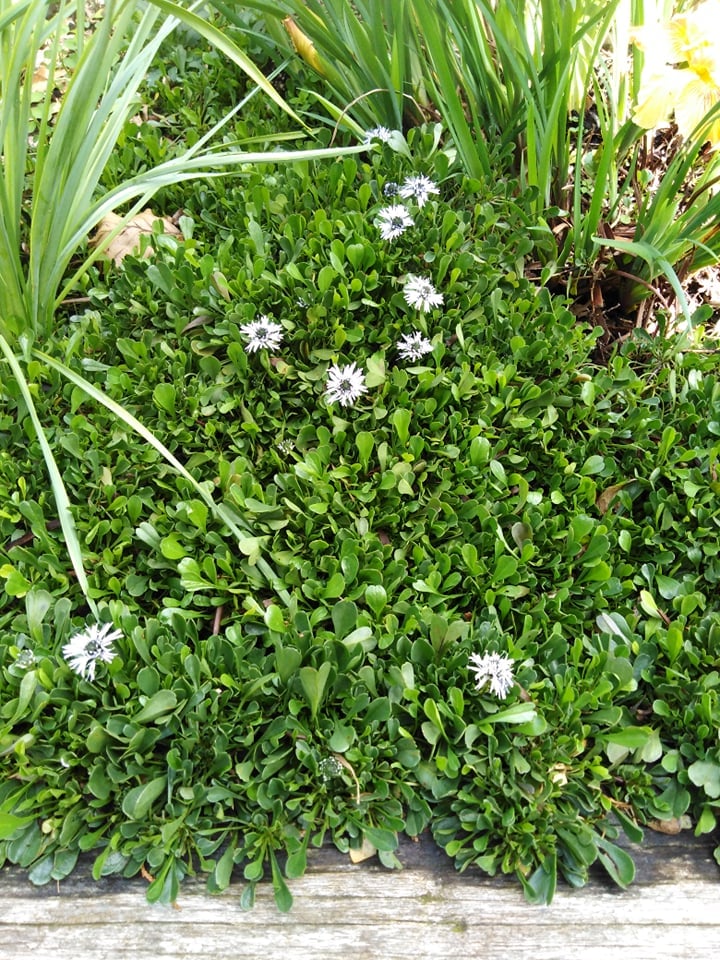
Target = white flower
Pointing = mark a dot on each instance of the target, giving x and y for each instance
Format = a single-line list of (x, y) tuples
[(25, 659), (87, 648), (413, 346), (329, 768), (419, 292), (262, 334), (418, 186), (393, 221), (495, 668), (285, 447), (383, 134), (345, 384)]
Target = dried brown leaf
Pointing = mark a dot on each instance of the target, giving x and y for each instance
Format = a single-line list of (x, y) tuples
[(670, 827), (365, 852), (608, 495), (41, 77), (127, 240)]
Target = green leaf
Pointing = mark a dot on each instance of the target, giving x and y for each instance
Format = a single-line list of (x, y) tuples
[(287, 661), (648, 604), (381, 838), (342, 738), (172, 547), (344, 617), (166, 885), (247, 897), (594, 464), (99, 784), (376, 370), (41, 871), (335, 587), (540, 886), (517, 713), (379, 711), (9, 823), (614, 624), (15, 583), (362, 636), (274, 619), (356, 254), (164, 397), (479, 451), (365, 442), (164, 701), (191, 577), (376, 598), (138, 801), (64, 862), (296, 863), (706, 774), (630, 827), (431, 711), (401, 422), (37, 604), (313, 685), (283, 897), (630, 737), (505, 567), (616, 861), (221, 875)]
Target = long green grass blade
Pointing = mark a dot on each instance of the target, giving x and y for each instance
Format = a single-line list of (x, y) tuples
[(242, 532), (470, 143), (144, 186), (231, 50), (62, 501)]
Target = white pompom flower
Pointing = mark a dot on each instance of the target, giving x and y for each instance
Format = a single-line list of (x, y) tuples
[(89, 647), (345, 384)]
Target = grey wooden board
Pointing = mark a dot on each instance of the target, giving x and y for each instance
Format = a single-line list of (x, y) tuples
[(364, 912)]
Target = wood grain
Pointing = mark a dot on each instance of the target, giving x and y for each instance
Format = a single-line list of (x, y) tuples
[(364, 912)]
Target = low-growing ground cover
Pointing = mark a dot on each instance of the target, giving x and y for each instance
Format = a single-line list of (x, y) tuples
[(475, 590)]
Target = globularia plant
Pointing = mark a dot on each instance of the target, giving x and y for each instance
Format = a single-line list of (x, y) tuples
[(498, 555)]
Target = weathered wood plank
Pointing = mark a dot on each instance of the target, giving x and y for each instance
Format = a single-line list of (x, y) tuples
[(426, 910)]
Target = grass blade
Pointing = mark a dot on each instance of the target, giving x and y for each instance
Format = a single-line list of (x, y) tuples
[(62, 501), (242, 532)]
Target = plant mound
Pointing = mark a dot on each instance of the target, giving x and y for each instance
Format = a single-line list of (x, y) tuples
[(473, 488)]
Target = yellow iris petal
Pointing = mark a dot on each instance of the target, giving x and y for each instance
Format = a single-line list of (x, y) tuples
[(693, 101), (655, 102), (689, 90)]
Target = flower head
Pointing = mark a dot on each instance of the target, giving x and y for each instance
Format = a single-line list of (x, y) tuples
[(262, 334), (329, 768), (682, 71), (89, 647), (393, 221), (413, 346), (345, 384), (494, 668), (383, 134), (285, 447), (419, 292), (418, 186), (25, 659)]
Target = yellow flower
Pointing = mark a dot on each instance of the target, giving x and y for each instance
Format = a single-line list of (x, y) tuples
[(683, 71)]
